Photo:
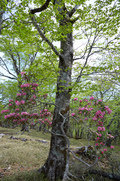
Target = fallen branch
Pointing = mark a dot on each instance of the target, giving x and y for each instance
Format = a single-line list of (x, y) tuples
[(105, 174), (24, 139)]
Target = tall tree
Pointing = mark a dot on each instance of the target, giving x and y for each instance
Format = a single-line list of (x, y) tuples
[(55, 21)]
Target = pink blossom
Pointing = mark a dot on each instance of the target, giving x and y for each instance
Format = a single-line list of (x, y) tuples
[(102, 115), (34, 96), (26, 85), (98, 138), (22, 102), (100, 100), (4, 111), (45, 110), (103, 128), (108, 109), (81, 108), (33, 102), (46, 119), (72, 114), (89, 103), (90, 109), (17, 109), (75, 99), (105, 149), (91, 98), (35, 115), (10, 104), (14, 120), (98, 113), (19, 94), (11, 115), (35, 85), (96, 144), (102, 152), (23, 93), (85, 100), (10, 100), (86, 118), (94, 118), (23, 119), (80, 100), (101, 143), (98, 158), (6, 116), (99, 128), (110, 136), (22, 73), (48, 113), (17, 103), (24, 113), (112, 147), (80, 112)]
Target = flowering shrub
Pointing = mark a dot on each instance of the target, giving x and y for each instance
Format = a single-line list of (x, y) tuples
[(22, 108), (90, 116)]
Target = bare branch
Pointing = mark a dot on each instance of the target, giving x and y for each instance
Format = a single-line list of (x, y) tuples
[(44, 37), (79, 77), (13, 78), (6, 69), (42, 8)]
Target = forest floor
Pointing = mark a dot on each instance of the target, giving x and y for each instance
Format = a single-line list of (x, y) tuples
[(22, 155)]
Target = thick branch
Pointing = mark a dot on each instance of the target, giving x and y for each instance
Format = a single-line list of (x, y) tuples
[(42, 8), (14, 64), (73, 10), (4, 66), (43, 36)]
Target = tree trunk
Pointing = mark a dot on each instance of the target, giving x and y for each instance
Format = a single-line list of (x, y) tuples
[(24, 128), (55, 165)]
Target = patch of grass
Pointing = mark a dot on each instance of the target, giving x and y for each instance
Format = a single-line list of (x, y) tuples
[(29, 153), (19, 160), (79, 142), (26, 176)]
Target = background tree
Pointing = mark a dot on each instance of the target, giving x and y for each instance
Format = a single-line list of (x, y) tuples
[(16, 57)]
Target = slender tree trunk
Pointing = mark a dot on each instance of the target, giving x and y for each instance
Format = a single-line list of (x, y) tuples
[(55, 165)]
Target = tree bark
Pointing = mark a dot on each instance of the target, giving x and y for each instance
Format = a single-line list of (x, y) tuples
[(55, 165)]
